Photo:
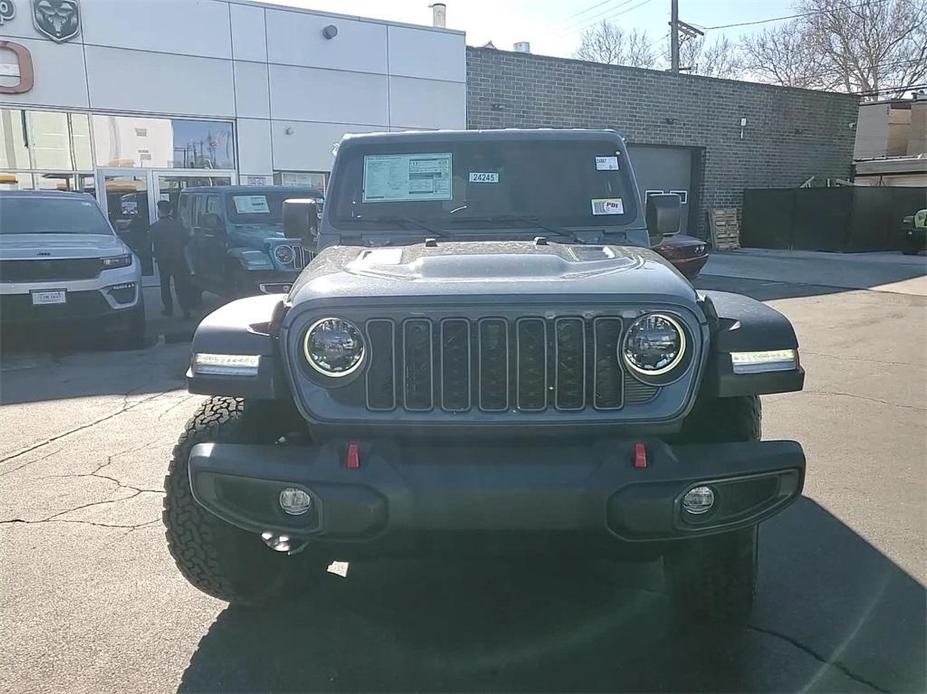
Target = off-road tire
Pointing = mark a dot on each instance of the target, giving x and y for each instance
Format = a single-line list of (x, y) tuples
[(713, 579), (220, 559)]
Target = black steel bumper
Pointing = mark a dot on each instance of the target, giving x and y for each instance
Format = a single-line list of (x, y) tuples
[(589, 489)]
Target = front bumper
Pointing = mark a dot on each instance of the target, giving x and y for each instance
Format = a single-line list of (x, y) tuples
[(590, 489)]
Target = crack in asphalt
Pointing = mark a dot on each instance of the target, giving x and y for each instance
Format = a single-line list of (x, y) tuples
[(135, 526), (863, 397), (125, 408), (56, 517), (814, 654)]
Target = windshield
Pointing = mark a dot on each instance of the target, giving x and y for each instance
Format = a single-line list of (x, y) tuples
[(485, 184), (263, 207), (46, 215)]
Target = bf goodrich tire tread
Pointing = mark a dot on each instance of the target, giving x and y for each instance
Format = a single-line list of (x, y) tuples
[(713, 579), (215, 557)]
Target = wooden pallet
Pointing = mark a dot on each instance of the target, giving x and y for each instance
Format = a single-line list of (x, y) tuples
[(725, 228)]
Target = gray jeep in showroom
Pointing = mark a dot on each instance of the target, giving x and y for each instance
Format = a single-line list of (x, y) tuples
[(485, 358)]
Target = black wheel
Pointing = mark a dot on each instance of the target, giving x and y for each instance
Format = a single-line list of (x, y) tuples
[(133, 333), (713, 579), (220, 559)]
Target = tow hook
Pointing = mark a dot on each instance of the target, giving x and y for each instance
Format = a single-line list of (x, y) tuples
[(281, 543)]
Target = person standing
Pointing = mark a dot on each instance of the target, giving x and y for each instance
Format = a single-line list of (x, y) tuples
[(169, 241)]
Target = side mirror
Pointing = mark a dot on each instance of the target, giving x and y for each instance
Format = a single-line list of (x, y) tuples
[(301, 219), (664, 214)]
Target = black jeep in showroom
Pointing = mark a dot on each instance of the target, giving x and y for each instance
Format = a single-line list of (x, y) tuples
[(485, 358)]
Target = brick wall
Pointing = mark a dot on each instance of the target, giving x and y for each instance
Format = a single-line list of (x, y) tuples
[(791, 134)]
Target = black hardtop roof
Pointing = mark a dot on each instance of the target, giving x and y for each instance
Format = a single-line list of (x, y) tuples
[(506, 134), (254, 190)]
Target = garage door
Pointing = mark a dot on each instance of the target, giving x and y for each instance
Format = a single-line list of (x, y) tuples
[(664, 170)]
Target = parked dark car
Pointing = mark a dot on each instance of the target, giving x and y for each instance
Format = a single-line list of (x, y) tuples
[(237, 244), (484, 360), (914, 228), (687, 253)]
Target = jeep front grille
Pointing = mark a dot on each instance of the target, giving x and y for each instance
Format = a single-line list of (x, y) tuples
[(43, 270), (494, 364), (301, 257)]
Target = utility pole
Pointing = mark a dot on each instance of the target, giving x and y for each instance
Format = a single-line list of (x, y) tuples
[(674, 35)]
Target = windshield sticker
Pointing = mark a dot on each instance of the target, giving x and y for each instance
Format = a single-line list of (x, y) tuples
[(407, 177), (606, 163), (251, 204), (607, 206), (484, 177)]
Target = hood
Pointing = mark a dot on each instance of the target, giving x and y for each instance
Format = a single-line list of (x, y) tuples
[(489, 268), (51, 246)]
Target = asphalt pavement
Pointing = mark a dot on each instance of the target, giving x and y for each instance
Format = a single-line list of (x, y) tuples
[(90, 600)]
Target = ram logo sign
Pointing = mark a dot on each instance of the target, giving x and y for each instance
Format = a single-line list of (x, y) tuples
[(59, 20)]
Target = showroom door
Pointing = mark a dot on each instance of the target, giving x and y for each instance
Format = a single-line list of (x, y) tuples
[(124, 196)]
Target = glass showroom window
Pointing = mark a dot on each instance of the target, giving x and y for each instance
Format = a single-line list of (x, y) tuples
[(308, 179), (43, 149), (163, 143)]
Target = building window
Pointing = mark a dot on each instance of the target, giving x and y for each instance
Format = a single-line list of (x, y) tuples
[(306, 179), (15, 181), (14, 153), (168, 142)]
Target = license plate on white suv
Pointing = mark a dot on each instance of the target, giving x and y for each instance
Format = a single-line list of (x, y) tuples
[(49, 296)]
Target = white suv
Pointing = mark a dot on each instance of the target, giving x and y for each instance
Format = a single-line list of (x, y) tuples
[(62, 264)]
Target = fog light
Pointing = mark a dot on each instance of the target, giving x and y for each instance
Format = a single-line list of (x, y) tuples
[(698, 500), (295, 501)]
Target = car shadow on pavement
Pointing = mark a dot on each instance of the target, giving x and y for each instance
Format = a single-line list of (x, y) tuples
[(833, 614)]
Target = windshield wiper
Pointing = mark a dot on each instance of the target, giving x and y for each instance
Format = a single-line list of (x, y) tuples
[(527, 219), (408, 221)]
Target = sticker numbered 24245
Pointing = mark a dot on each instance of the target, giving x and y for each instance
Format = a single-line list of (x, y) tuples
[(484, 177)]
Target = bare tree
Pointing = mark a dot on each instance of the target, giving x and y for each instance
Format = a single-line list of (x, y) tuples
[(784, 55), (609, 43), (718, 58), (864, 46)]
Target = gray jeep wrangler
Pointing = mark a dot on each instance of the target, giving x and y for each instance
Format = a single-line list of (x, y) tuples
[(485, 357)]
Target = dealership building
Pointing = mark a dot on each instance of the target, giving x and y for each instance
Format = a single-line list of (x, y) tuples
[(140, 98), (136, 99)]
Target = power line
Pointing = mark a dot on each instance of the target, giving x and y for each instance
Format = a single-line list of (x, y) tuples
[(591, 7), (793, 16), (618, 14), (595, 19)]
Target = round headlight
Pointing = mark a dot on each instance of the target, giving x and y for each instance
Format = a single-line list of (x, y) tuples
[(284, 254), (334, 347), (654, 345)]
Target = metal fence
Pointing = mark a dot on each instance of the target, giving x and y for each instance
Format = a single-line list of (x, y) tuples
[(828, 219)]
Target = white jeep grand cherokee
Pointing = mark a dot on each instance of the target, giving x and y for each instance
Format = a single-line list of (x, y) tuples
[(62, 264)]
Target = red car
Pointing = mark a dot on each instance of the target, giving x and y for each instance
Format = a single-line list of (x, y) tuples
[(687, 253)]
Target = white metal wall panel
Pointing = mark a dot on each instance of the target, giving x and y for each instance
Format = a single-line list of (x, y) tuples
[(248, 33), (301, 93), (295, 38), (308, 146), (187, 27), (60, 79), (428, 54), (417, 103), (254, 147), (157, 82), (252, 95)]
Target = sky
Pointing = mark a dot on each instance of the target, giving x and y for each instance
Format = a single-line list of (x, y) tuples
[(553, 26)]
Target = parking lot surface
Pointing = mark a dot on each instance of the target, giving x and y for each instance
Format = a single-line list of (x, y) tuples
[(92, 602)]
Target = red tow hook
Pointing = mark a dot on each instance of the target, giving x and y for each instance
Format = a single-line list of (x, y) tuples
[(640, 456), (352, 456)]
